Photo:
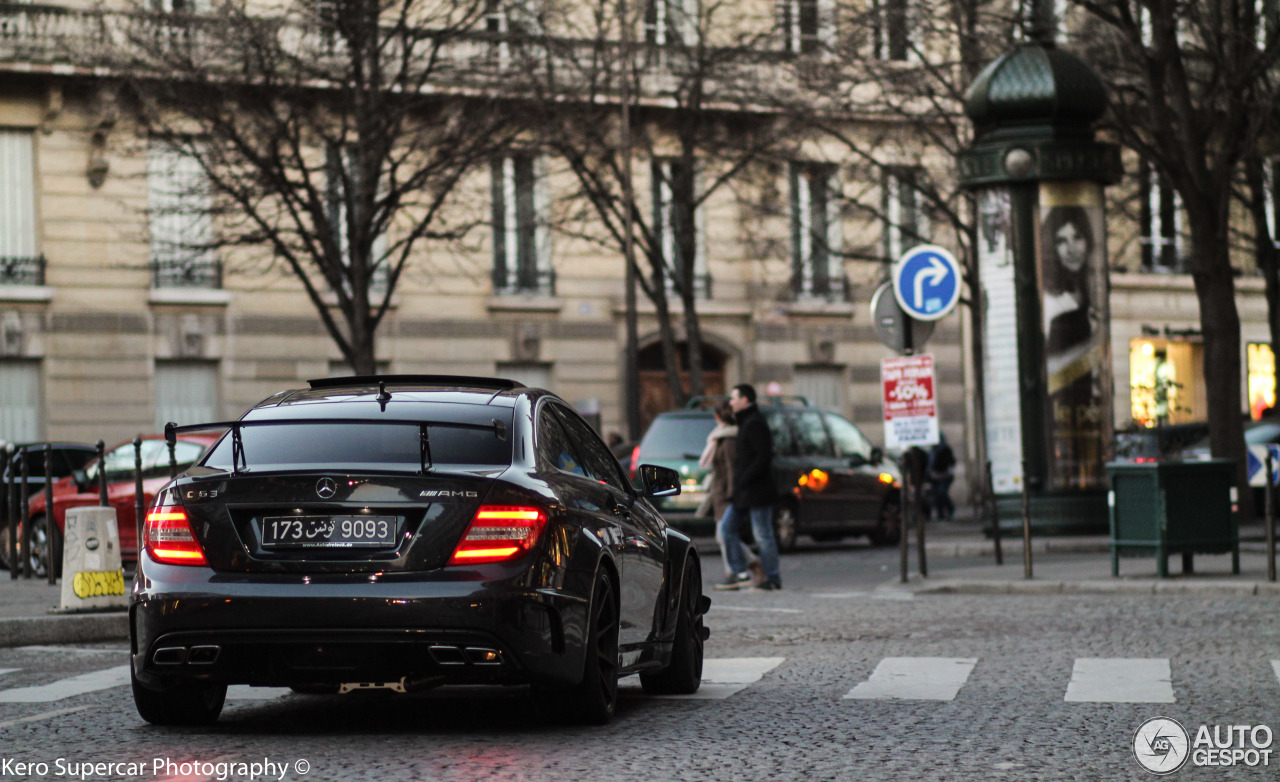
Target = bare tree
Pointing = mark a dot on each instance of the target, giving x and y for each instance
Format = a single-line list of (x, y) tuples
[(706, 96), (332, 134), (1191, 93)]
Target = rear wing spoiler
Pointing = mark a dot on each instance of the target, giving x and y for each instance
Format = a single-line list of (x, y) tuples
[(240, 464)]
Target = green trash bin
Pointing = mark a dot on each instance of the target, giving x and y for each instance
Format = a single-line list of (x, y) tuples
[(1165, 508)]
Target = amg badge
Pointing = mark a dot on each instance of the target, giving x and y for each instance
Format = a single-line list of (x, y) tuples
[(445, 493)]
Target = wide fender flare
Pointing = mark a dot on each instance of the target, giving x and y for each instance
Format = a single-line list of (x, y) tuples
[(680, 550)]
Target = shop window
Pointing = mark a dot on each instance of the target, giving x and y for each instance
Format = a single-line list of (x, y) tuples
[(1166, 382), (1262, 378)]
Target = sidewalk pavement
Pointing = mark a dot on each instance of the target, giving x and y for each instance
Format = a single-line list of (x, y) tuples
[(1060, 565)]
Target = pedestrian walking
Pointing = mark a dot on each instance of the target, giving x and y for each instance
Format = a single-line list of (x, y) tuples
[(942, 471), (754, 493), (717, 456)]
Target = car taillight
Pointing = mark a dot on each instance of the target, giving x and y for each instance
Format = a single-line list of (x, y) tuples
[(499, 532), (169, 539), (635, 461)]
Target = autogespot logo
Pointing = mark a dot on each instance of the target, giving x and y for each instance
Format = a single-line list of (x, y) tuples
[(1161, 745)]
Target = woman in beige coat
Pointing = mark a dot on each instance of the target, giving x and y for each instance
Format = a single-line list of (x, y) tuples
[(717, 456)]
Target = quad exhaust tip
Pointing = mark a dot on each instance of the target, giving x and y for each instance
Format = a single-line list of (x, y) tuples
[(464, 655), (206, 654)]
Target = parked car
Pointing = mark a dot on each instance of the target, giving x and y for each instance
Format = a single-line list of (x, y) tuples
[(67, 457), (405, 532), (833, 481), (1158, 443), (80, 489)]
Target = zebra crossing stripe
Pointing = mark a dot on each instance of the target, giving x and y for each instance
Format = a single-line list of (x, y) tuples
[(1121, 680), (3, 671), (916, 679), (66, 688), (244, 692), (721, 678)]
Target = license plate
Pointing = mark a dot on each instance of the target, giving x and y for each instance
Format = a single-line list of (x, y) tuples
[(328, 532)]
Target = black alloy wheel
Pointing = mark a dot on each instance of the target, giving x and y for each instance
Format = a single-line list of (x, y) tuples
[(889, 528), (186, 703), (784, 527), (594, 700), (683, 675), (39, 554)]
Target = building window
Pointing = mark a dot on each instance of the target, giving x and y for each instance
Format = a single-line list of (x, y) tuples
[(1269, 180), (20, 259), (521, 251), (905, 221), (20, 418), (1161, 223), (671, 22), (675, 183), (505, 20), (891, 29), (816, 268), (342, 172), (186, 392), (181, 217), (823, 386), (807, 25)]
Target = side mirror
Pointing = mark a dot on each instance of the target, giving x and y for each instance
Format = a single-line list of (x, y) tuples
[(858, 460), (658, 481), (877, 455)]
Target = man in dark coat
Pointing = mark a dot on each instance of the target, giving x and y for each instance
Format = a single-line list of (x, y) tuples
[(754, 493)]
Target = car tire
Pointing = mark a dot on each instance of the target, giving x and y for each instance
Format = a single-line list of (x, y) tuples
[(187, 703), (39, 555), (594, 700), (683, 674), (784, 527), (889, 526)]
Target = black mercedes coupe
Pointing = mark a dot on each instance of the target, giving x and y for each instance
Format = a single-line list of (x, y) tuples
[(404, 532)]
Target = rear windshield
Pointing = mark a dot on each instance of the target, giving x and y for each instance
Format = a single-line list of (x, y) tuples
[(287, 446), (676, 437)]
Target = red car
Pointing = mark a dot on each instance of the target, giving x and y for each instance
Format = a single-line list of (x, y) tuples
[(80, 489)]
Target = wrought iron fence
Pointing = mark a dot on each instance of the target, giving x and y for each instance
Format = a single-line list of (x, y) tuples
[(186, 273), (22, 270)]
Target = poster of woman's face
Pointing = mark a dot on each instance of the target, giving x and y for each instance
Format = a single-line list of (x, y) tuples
[(1073, 303)]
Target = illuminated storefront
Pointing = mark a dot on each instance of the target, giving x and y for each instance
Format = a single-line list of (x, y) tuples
[(1166, 382), (1262, 378)]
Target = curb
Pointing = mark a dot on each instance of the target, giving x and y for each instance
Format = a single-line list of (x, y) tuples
[(1033, 587), (66, 629)]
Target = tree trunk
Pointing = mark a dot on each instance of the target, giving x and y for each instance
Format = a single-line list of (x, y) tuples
[(1220, 321)]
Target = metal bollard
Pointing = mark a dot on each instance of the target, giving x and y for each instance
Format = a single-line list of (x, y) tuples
[(137, 493), (11, 510), (1270, 511), (52, 536), (917, 511), (989, 502), (26, 517), (1026, 524), (102, 473)]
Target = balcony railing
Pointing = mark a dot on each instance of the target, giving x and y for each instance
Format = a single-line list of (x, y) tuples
[(56, 35), (22, 270), (527, 282), (186, 273)]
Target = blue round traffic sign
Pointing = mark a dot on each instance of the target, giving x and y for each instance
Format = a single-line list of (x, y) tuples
[(926, 282)]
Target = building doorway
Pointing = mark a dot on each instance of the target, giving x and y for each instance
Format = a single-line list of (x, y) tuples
[(655, 393)]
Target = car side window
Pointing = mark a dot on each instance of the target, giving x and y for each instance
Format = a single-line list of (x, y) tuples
[(600, 464), (783, 443), (812, 435), (848, 438), (553, 444)]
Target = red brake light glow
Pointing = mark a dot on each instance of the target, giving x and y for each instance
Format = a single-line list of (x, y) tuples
[(498, 533), (169, 539)]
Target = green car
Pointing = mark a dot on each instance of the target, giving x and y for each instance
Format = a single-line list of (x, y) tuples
[(833, 482)]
